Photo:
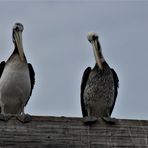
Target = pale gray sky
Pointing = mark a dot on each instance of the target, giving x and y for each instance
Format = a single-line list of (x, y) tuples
[(55, 43)]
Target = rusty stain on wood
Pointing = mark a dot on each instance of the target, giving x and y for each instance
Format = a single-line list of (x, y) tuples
[(65, 132)]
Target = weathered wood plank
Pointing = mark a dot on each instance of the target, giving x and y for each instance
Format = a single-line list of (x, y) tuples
[(62, 132)]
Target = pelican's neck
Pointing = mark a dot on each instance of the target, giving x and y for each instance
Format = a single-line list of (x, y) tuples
[(18, 43), (15, 56), (98, 54)]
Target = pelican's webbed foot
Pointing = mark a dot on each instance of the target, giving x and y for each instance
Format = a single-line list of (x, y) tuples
[(24, 118), (5, 117), (109, 120), (90, 119)]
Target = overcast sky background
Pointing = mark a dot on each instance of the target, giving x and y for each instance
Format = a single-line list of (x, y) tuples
[(55, 43)]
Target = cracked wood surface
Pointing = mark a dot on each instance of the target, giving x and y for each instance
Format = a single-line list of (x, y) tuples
[(65, 132)]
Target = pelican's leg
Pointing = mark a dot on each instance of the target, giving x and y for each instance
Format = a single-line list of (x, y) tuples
[(90, 119), (108, 119), (3, 116), (24, 117)]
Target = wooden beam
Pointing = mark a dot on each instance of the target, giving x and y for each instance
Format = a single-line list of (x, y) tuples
[(64, 132)]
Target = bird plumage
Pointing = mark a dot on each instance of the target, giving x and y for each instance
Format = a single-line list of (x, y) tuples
[(17, 78), (99, 85)]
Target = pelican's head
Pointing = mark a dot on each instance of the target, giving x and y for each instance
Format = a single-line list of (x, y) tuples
[(91, 36), (18, 27), (93, 39), (17, 39)]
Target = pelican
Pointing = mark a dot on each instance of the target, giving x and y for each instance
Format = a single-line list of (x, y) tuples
[(98, 87), (17, 80)]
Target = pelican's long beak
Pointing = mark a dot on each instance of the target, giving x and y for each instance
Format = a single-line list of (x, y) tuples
[(19, 43), (97, 51)]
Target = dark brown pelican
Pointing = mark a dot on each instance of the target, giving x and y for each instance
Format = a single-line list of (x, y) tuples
[(99, 86), (17, 79)]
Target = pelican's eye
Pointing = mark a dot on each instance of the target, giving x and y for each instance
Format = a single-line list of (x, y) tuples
[(94, 37)]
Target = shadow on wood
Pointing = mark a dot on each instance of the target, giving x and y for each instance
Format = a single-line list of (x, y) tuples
[(64, 132)]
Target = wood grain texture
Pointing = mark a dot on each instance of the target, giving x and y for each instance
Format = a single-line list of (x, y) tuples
[(64, 132)]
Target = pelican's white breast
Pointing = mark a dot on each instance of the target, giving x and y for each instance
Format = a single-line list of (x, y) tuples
[(15, 83)]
